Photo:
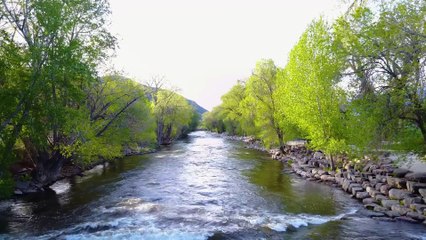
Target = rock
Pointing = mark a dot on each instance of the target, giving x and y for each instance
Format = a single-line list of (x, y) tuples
[(384, 189), (319, 155), (392, 214), (410, 200), (357, 189), (397, 194), (418, 207), (371, 206), (362, 195), (377, 186), (400, 172), (406, 219), (422, 192), (322, 172), (415, 186), (388, 203), (380, 197), (416, 177), (416, 216), (18, 192), (390, 181), (368, 200), (380, 209), (400, 183), (400, 209)]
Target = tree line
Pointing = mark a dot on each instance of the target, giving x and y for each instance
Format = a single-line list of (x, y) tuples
[(352, 86), (56, 109)]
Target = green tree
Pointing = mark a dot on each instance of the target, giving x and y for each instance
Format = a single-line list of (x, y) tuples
[(53, 48), (308, 94)]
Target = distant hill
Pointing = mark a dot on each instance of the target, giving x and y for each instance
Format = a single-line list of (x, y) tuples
[(200, 110)]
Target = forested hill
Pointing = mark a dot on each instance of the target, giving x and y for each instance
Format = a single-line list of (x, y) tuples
[(200, 110)]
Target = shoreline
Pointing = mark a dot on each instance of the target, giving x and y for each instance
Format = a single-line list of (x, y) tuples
[(388, 192), (23, 188)]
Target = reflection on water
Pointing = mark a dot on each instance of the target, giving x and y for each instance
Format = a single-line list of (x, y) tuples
[(203, 187)]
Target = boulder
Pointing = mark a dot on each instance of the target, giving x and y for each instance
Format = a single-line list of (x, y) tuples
[(371, 206), (416, 216), (416, 177), (397, 194), (410, 200), (415, 186), (362, 195), (377, 186), (392, 214), (384, 189), (390, 181), (400, 209), (400, 183), (400, 172), (418, 207), (422, 192), (388, 203), (380, 209), (380, 197), (355, 190), (368, 200)]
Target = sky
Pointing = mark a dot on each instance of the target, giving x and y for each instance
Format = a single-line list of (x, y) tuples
[(203, 47)]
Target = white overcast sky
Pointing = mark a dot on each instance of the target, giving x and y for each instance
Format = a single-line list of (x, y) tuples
[(203, 47)]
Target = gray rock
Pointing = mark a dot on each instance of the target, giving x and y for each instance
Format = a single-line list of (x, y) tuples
[(418, 207), (362, 195), (388, 203), (416, 177), (377, 186), (380, 197), (319, 155), (392, 214), (415, 186), (410, 200), (371, 206), (400, 209), (18, 192), (422, 192), (384, 189), (416, 216), (400, 172), (398, 194), (357, 189), (368, 200), (400, 183), (380, 209), (390, 181)]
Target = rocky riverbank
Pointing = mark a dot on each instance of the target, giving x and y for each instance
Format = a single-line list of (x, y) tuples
[(388, 192)]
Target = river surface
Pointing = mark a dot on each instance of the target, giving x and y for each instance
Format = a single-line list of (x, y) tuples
[(203, 187)]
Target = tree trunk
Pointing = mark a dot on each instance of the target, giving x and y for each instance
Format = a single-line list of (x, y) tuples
[(48, 168), (332, 164)]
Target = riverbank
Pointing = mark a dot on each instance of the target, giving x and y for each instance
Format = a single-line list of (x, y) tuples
[(25, 186), (389, 193)]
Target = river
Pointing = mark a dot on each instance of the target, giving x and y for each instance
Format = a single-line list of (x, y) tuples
[(202, 187)]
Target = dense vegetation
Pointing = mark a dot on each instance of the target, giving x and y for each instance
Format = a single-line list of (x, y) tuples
[(352, 86), (55, 108)]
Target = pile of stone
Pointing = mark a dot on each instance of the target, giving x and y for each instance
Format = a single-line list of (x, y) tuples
[(392, 193)]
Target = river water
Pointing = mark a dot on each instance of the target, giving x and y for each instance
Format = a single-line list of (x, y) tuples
[(203, 187)]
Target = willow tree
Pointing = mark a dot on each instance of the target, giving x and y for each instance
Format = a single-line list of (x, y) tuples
[(173, 114), (308, 94), (260, 91), (53, 48)]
